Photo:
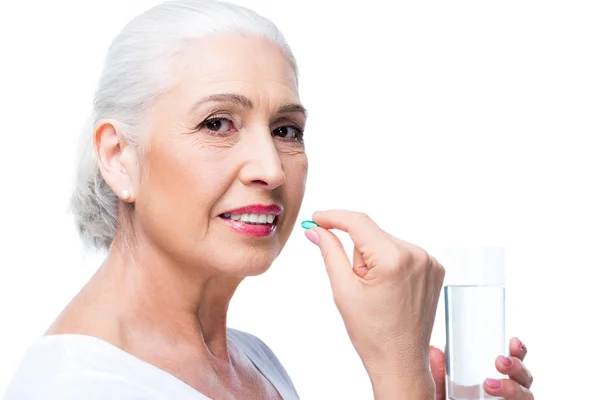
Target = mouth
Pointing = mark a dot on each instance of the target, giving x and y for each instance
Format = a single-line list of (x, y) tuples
[(256, 220), (252, 219)]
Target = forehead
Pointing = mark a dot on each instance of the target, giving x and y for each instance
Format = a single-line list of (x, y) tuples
[(249, 66)]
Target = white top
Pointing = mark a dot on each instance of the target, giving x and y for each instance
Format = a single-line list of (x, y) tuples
[(69, 367)]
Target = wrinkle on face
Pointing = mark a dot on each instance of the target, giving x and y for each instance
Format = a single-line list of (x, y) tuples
[(192, 176)]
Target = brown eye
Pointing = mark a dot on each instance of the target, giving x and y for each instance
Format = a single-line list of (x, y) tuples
[(288, 133), (218, 125)]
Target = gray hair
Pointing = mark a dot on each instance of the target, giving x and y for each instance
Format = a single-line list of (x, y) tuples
[(136, 71)]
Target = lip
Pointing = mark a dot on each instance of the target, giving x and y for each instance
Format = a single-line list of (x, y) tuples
[(261, 230)]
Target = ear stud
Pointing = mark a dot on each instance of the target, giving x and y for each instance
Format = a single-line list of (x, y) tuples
[(125, 195)]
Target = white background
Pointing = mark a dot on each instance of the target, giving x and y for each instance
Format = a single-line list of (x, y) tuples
[(449, 123)]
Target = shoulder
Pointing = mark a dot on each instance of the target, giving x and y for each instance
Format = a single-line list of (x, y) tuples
[(255, 348), (249, 342), (265, 360), (55, 368), (72, 385)]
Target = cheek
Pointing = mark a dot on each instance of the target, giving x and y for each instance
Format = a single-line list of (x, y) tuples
[(296, 169), (182, 184), (167, 175)]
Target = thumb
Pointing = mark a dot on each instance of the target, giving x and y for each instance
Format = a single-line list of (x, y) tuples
[(438, 370), (336, 260)]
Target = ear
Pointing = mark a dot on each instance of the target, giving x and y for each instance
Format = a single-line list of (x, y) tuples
[(117, 159)]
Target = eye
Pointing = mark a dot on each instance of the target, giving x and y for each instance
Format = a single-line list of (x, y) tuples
[(218, 125), (288, 132)]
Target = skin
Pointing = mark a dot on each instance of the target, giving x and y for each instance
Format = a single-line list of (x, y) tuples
[(516, 387), (163, 292), (174, 264), (393, 341)]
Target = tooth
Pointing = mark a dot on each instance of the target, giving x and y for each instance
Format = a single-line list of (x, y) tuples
[(227, 215), (253, 218)]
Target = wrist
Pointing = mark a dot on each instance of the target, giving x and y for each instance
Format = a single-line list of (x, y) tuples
[(399, 372), (416, 385)]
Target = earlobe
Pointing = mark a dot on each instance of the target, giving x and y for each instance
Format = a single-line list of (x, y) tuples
[(110, 146)]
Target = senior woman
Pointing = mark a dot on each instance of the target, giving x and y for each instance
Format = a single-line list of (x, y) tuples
[(191, 177)]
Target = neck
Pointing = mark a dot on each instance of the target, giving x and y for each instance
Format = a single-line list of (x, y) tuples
[(155, 297)]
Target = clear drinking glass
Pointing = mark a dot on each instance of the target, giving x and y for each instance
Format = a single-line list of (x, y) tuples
[(475, 319)]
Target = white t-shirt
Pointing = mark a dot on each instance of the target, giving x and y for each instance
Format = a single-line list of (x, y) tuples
[(69, 367)]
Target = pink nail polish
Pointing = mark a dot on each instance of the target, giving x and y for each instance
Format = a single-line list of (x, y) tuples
[(505, 360), (493, 383), (312, 236)]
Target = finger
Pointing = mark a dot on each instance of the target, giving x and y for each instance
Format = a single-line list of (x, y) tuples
[(358, 264), (515, 369), (361, 228), (507, 389), (438, 272), (435, 265), (435, 280), (437, 364), (518, 348), (334, 256)]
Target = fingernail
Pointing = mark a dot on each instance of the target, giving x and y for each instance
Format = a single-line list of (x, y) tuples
[(309, 224), (522, 345), (493, 383), (312, 236), (505, 360)]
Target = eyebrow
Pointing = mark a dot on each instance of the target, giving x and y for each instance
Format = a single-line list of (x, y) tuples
[(244, 102)]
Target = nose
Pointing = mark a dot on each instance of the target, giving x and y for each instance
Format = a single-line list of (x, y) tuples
[(263, 166)]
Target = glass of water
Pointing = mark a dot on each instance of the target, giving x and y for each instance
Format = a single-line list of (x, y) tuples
[(475, 319)]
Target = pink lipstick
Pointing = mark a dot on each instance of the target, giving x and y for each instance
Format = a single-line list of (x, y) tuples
[(255, 220)]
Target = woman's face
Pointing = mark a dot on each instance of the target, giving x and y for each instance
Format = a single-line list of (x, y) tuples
[(223, 169)]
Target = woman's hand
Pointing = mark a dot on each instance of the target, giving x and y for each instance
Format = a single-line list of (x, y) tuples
[(387, 298), (515, 388)]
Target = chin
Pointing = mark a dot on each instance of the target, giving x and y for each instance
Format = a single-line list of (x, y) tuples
[(246, 266), (238, 260)]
